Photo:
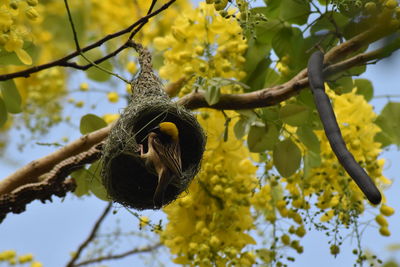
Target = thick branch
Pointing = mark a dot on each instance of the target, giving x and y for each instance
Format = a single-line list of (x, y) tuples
[(30, 173), (338, 53), (54, 184), (63, 62)]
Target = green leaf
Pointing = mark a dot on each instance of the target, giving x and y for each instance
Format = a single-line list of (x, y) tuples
[(254, 54), (3, 112), (295, 11), (364, 88), (93, 72), (356, 71), (90, 123), (99, 75), (306, 97), (212, 95), (11, 96), (241, 127), (311, 160), (11, 58), (96, 185), (309, 139), (256, 79), (330, 22), (81, 178), (270, 114), (287, 157), (262, 137), (342, 85), (273, 8), (295, 115), (271, 78), (266, 30), (281, 42), (388, 121)]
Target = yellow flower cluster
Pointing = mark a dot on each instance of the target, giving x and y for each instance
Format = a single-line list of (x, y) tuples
[(40, 93), (15, 19), (203, 43), (11, 257), (112, 16), (210, 225)]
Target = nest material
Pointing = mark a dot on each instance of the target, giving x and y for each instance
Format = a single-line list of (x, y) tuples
[(125, 176)]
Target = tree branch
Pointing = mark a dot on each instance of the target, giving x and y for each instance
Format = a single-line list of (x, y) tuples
[(54, 183), (78, 48), (30, 173), (63, 62), (119, 256), (91, 236)]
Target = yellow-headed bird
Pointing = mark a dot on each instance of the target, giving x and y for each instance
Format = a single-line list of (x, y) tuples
[(164, 155)]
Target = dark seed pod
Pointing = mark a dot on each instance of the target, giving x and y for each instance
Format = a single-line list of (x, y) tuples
[(125, 176)]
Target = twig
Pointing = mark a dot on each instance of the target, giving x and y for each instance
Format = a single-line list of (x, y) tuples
[(78, 48), (63, 62), (119, 256), (91, 236)]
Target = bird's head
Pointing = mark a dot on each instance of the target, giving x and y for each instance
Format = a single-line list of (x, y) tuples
[(169, 129)]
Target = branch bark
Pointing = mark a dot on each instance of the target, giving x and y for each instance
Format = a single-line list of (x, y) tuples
[(30, 173)]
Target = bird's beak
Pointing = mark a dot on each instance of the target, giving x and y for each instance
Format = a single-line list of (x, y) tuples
[(155, 128), (163, 182)]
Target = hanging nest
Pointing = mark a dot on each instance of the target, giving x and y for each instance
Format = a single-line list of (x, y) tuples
[(125, 176)]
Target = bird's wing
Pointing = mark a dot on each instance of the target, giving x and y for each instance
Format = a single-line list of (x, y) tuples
[(170, 155)]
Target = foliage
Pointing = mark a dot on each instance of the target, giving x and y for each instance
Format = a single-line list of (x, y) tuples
[(269, 175)]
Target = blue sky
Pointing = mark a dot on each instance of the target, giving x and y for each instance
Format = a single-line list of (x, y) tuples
[(53, 230)]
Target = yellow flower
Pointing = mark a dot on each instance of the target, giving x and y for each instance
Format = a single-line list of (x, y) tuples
[(25, 258), (131, 67), (79, 104), (143, 221), (7, 255), (36, 264), (384, 230), (31, 13), (84, 87), (386, 210), (108, 118), (202, 42), (128, 88), (113, 97), (381, 220)]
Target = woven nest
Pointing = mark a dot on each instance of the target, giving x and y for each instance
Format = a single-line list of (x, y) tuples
[(125, 176)]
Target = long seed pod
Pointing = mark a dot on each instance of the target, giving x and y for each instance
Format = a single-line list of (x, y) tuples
[(332, 131)]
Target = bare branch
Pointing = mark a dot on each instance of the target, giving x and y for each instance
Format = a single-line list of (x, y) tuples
[(91, 236), (122, 255)]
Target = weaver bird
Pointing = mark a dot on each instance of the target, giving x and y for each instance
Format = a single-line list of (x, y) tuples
[(164, 157)]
